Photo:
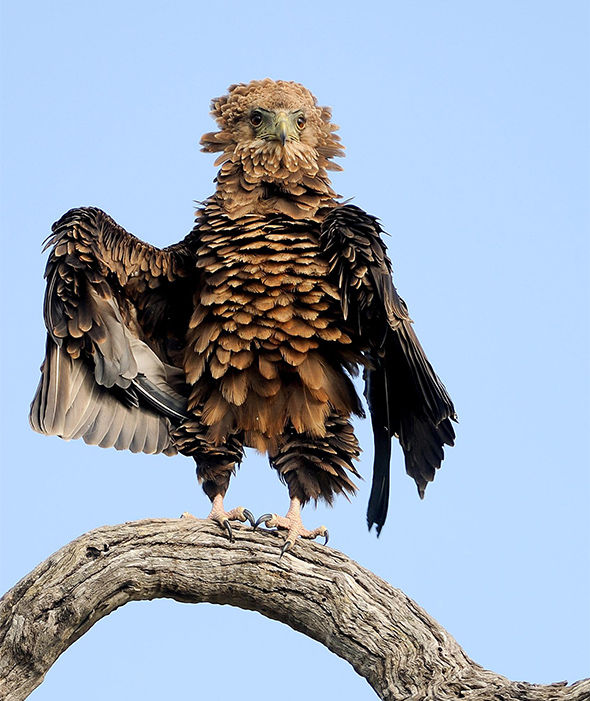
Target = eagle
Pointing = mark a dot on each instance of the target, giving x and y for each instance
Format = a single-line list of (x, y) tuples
[(249, 331)]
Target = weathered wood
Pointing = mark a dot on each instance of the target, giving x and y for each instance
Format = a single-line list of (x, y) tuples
[(401, 651)]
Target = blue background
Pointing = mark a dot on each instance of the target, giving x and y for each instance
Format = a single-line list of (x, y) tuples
[(466, 127)]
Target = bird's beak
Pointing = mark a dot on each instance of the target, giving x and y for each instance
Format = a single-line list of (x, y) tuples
[(282, 127)]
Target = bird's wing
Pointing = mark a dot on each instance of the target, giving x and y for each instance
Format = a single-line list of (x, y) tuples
[(111, 306), (405, 397)]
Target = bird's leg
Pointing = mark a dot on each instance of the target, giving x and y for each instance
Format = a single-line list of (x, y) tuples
[(215, 466), (292, 523)]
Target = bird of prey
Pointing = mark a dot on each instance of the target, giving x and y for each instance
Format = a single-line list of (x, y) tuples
[(248, 331)]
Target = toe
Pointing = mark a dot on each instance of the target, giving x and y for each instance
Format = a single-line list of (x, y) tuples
[(312, 535)]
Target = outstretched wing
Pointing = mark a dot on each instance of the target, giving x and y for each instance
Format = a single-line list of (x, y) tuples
[(114, 308), (405, 397)]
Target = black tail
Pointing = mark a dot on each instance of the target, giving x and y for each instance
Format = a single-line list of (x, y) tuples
[(377, 397)]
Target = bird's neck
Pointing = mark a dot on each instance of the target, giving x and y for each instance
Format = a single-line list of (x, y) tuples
[(239, 193)]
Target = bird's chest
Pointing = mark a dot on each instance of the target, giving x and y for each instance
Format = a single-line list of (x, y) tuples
[(264, 287)]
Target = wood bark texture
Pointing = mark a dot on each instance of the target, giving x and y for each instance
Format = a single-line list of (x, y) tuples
[(400, 650)]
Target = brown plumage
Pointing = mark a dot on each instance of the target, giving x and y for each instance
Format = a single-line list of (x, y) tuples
[(246, 332)]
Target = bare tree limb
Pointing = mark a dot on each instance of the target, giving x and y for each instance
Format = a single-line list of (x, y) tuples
[(401, 651)]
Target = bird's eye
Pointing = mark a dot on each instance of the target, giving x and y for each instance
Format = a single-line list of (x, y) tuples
[(256, 119), (300, 122)]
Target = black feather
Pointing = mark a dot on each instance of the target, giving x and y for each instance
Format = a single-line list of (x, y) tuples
[(405, 397)]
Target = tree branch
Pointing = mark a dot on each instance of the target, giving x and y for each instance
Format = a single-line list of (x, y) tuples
[(401, 651)]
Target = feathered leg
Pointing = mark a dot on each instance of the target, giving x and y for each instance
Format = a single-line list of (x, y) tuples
[(215, 481), (215, 467), (313, 468)]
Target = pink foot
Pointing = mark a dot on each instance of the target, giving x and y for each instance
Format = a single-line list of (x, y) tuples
[(222, 517), (292, 523)]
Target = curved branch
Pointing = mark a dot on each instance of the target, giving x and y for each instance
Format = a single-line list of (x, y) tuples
[(401, 651)]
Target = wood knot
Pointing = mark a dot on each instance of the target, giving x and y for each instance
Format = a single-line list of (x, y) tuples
[(93, 552)]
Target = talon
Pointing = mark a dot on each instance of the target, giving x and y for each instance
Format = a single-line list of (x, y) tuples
[(250, 517), (262, 519), (227, 527), (287, 546), (327, 537)]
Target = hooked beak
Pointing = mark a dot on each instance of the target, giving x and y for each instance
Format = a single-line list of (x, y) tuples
[(282, 128)]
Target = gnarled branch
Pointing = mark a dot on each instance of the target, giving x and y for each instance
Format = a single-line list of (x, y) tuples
[(401, 651)]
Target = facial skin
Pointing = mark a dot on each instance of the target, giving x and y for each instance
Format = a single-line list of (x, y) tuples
[(278, 125)]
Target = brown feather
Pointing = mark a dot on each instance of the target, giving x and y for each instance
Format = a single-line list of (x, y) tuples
[(312, 372), (242, 359), (234, 388), (216, 407), (266, 388), (216, 368), (267, 367)]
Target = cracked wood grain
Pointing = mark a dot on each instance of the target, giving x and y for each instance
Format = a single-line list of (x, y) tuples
[(386, 637)]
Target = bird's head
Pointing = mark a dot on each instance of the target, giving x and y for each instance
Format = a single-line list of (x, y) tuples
[(276, 144)]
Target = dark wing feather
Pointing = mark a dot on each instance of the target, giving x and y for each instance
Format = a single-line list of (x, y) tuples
[(405, 397), (113, 305)]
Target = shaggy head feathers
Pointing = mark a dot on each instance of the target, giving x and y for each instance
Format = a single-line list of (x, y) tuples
[(266, 176)]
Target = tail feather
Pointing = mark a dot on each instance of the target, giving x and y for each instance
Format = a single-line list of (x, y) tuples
[(377, 393)]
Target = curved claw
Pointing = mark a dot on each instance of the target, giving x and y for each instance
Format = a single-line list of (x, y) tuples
[(250, 517), (327, 537), (262, 519), (227, 526), (287, 546)]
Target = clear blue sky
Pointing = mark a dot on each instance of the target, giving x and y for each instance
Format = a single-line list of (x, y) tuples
[(466, 127)]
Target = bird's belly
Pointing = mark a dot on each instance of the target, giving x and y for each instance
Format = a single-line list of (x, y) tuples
[(264, 352)]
